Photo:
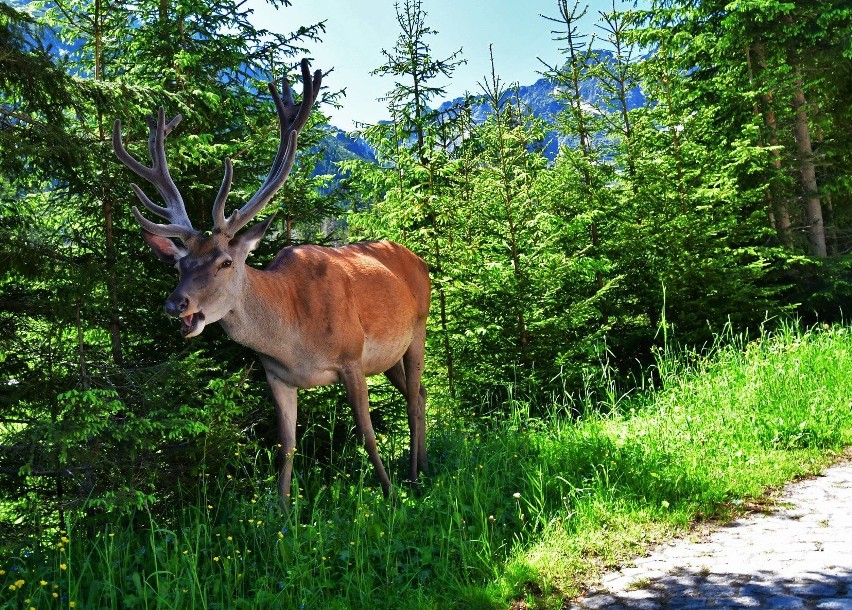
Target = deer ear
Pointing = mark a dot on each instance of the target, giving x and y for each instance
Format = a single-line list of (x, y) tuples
[(250, 239), (167, 250)]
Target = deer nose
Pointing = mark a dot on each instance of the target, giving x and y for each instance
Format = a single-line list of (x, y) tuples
[(176, 304)]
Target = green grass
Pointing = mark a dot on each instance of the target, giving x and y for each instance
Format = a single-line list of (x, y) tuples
[(517, 507)]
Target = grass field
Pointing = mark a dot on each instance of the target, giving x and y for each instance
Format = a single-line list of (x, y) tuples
[(518, 509)]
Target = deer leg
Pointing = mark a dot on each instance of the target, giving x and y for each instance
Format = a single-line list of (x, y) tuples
[(285, 401), (396, 375), (415, 395), (356, 393)]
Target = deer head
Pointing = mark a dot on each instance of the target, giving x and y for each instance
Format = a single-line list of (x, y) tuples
[(212, 267)]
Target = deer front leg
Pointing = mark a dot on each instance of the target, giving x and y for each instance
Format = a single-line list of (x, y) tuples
[(356, 393), (285, 401)]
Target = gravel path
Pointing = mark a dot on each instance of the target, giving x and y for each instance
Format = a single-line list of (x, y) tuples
[(799, 555)]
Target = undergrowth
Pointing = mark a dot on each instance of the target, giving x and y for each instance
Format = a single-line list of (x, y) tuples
[(517, 508)]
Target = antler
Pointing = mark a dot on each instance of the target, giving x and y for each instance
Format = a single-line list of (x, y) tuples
[(175, 212), (291, 119)]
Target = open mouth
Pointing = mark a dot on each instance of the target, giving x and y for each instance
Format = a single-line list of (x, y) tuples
[(191, 323)]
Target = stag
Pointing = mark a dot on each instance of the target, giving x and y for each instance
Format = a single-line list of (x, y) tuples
[(315, 316)]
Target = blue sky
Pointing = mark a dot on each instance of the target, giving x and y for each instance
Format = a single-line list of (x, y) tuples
[(357, 31)]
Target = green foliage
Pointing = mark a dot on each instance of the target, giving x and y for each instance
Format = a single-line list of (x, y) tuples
[(675, 207), (33, 127), (411, 63), (116, 450), (95, 409)]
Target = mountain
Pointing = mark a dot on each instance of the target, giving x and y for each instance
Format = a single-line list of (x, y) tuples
[(541, 99), (341, 146)]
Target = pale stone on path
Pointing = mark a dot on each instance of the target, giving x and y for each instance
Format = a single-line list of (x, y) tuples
[(798, 556)]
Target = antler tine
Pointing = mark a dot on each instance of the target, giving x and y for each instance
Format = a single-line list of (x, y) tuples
[(222, 195), (292, 118), (175, 212), (169, 230), (158, 210)]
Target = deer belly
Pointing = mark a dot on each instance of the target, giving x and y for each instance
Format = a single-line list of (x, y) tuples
[(380, 355), (305, 376)]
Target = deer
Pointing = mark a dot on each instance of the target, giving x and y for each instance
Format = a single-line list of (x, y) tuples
[(315, 315)]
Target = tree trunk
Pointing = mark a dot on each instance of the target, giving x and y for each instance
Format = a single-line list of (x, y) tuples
[(813, 207), (777, 209), (112, 284), (494, 93), (831, 238), (801, 131), (442, 296), (107, 206)]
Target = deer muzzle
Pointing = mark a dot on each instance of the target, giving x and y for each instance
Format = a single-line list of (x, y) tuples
[(176, 304)]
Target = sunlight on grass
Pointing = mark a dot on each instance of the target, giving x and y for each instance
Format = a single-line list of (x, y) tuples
[(518, 507)]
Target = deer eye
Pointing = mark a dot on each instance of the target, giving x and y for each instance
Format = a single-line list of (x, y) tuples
[(226, 263)]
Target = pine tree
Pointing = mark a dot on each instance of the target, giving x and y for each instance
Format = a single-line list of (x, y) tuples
[(84, 296), (409, 145)]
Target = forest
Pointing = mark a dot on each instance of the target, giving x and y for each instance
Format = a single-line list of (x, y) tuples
[(720, 204)]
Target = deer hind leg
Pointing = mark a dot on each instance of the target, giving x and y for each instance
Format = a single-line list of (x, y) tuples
[(396, 375), (412, 361), (416, 422), (356, 393), (408, 373), (285, 401)]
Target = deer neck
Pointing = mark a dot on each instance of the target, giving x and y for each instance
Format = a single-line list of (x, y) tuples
[(261, 315)]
